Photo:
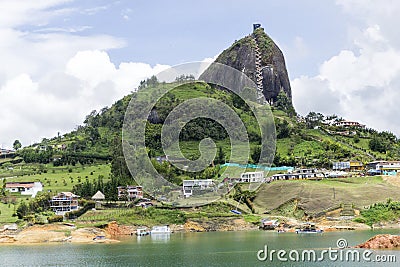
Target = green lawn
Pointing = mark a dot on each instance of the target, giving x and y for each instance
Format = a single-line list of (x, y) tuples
[(7, 210), (59, 179), (190, 149)]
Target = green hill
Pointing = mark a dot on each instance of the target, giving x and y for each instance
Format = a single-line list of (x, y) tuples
[(307, 142), (90, 158), (312, 198)]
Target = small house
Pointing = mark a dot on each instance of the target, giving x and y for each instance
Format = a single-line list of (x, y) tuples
[(24, 188), (190, 186), (252, 177), (130, 192)]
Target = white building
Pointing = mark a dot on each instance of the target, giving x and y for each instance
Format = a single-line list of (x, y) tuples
[(192, 185), (299, 174), (24, 188), (252, 177), (384, 167), (130, 192), (64, 202)]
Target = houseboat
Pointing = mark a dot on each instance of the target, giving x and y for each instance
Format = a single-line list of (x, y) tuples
[(308, 228), (267, 224), (160, 230)]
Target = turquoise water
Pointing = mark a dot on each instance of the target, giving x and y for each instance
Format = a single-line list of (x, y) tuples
[(188, 249), (245, 166)]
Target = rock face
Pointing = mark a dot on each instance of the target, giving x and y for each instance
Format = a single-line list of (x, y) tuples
[(381, 241), (258, 57)]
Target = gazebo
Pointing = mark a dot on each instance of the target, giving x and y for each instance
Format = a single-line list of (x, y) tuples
[(98, 197)]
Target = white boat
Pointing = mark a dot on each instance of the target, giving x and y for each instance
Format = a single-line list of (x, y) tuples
[(142, 232), (308, 228), (160, 230)]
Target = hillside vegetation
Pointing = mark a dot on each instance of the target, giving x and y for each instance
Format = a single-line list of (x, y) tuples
[(90, 158), (310, 141), (313, 197)]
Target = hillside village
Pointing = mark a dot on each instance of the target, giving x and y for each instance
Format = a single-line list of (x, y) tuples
[(325, 168)]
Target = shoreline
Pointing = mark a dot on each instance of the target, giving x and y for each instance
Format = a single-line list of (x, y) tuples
[(69, 233)]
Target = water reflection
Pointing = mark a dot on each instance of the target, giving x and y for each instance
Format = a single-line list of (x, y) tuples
[(160, 238), (186, 249)]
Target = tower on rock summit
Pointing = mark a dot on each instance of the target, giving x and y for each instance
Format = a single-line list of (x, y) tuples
[(257, 56)]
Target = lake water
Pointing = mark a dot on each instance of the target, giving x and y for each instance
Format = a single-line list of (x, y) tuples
[(190, 249)]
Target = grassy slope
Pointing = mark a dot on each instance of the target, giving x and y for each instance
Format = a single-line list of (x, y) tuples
[(58, 179), (316, 196), (7, 210)]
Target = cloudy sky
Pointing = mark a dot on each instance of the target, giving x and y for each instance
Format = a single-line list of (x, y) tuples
[(61, 59)]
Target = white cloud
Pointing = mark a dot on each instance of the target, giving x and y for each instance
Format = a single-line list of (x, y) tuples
[(94, 10), (53, 79), (126, 14), (361, 83), (58, 101), (314, 94)]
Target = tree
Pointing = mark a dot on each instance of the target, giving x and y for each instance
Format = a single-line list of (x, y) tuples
[(283, 103), (220, 158), (283, 129), (17, 144), (255, 155), (379, 144), (91, 119), (313, 119), (22, 210)]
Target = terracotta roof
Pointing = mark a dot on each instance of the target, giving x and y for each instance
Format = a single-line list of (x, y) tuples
[(22, 184)]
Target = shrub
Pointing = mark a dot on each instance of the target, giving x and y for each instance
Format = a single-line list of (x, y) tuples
[(86, 206), (360, 220), (55, 218)]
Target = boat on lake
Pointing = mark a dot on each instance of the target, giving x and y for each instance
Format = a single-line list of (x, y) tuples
[(142, 232), (160, 230), (99, 237), (308, 228), (267, 224)]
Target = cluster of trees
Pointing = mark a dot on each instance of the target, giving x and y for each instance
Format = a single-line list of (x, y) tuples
[(382, 142), (201, 128), (87, 189), (152, 81), (283, 103), (44, 155), (314, 119), (283, 129), (183, 78), (39, 204), (174, 175), (82, 158)]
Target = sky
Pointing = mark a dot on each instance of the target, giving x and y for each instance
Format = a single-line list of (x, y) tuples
[(61, 59)]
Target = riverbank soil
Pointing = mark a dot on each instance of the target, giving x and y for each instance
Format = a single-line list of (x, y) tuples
[(381, 242), (57, 233)]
